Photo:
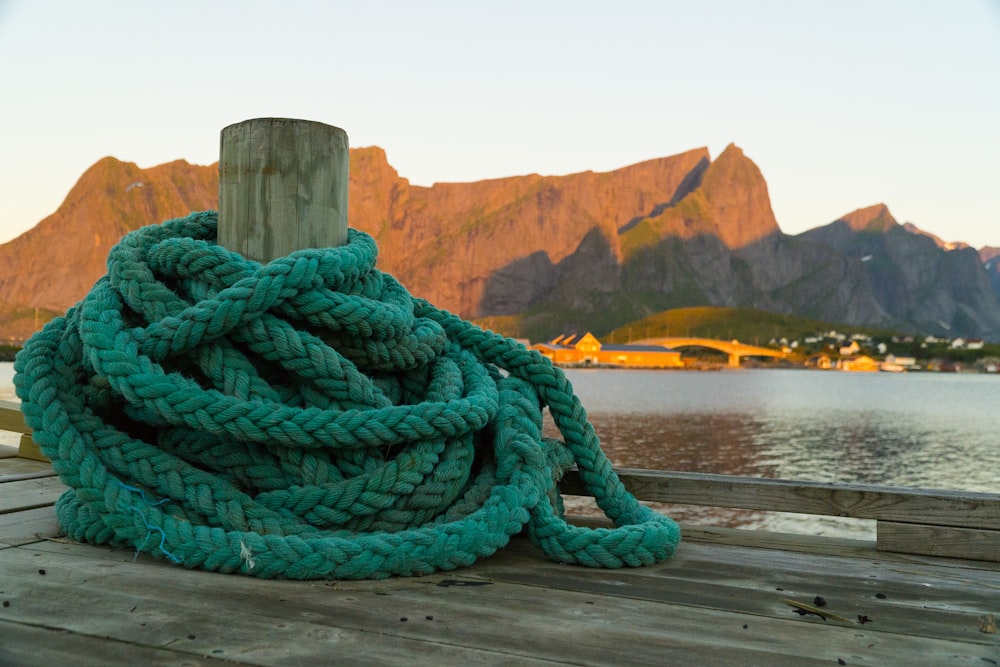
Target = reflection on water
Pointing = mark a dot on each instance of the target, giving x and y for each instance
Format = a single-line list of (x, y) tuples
[(7, 381), (7, 394), (917, 430)]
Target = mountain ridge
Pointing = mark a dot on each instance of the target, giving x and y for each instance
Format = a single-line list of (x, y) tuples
[(550, 253)]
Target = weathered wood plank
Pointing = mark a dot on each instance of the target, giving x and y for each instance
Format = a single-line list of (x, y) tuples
[(44, 647), (939, 507), (944, 541), (20, 477), (13, 467), (27, 526), (29, 494), (11, 418), (29, 449), (493, 622), (753, 581)]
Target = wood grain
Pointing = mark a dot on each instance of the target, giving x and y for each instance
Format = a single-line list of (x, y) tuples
[(931, 506), (939, 540), (282, 187)]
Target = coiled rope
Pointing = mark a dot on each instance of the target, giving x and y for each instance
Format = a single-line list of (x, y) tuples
[(307, 418)]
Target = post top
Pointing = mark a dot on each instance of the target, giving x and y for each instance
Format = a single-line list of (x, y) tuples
[(276, 120)]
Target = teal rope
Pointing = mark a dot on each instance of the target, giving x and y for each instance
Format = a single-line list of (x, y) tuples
[(307, 418)]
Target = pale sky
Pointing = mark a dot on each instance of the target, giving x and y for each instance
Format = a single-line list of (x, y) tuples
[(841, 104)]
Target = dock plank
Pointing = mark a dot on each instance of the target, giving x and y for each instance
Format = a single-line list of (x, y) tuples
[(945, 541), (14, 468), (480, 612), (25, 527), (152, 606), (30, 493), (45, 646), (733, 580), (11, 418), (934, 506)]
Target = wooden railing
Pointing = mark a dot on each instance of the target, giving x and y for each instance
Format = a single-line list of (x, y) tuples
[(12, 421), (959, 524), (956, 524)]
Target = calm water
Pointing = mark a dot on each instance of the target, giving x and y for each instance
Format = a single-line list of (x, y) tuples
[(7, 381), (917, 429)]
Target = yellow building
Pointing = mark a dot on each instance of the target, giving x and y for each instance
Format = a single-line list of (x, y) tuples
[(863, 363), (586, 350)]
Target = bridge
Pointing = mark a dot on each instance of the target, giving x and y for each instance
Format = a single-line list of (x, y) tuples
[(735, 349)]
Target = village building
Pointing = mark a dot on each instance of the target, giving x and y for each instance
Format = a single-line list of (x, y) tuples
[(586, 350), (848, 350), (860, 363)]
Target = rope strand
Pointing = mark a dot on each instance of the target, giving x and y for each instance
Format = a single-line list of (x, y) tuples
[(307, 418)]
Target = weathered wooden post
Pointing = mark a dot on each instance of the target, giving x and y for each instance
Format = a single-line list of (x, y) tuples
[(282, 187)]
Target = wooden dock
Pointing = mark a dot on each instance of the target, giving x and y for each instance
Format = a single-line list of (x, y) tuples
[(728, 597)]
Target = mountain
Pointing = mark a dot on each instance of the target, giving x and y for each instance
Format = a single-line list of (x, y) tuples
[(944, 245), (990, 258), (51, 266), (917, 281), (535, 255)]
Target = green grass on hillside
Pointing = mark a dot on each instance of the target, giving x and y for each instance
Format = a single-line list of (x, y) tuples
[(744, 324)]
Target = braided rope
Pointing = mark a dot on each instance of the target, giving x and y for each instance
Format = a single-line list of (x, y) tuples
[(307, 418)]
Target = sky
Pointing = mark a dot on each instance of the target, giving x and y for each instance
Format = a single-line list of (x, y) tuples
[(841, 104)]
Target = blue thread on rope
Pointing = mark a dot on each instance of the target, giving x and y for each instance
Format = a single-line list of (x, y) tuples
[(163, 539), (142, 493)]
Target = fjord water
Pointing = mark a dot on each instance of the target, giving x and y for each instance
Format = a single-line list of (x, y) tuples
[(928, 430)]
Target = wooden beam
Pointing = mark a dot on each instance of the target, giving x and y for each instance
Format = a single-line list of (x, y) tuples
[(27, 448), (11, 418), (927, 506), (282, 187), (947, 541)]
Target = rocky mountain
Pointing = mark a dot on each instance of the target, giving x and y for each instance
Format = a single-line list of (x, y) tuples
[(990, 257), (941, 243), (536, 255), (51, 266), (915, 281)]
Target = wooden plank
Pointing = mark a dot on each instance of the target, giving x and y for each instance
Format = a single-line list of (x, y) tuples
[(37, 646), (494, 622), (20, 477), (11, 469), (939, 507), (816, 544), (943, 541), (29, 449), (27, 526), (30, 493), (753, 581), (11, 418)]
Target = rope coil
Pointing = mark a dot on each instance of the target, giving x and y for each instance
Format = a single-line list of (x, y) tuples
[(307, 418)]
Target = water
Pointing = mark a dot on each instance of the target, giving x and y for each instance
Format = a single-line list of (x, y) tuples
[(926, 430), (7, 381), (7, 394)]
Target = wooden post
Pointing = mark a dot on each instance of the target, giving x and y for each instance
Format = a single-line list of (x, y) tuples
[(282, 187)]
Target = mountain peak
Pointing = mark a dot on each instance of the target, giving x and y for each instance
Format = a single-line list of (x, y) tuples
[(944, 245), (876, 218), (737, 192)]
